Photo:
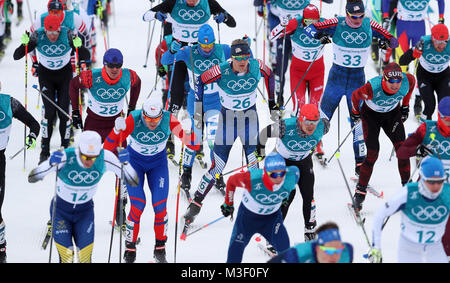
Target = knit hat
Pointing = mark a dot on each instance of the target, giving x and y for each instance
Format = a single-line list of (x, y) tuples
[(355, 6), (52, 23), (439, 32), (113, 55)]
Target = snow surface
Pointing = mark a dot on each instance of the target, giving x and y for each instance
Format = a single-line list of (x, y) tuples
[(26, 206)]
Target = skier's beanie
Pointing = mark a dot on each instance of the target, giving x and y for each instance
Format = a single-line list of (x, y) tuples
[(309, 112), (311, 12), (274, 161), (431, 168), (444, 107), (354, 6), (90, 143), (113, 55), (55, 5), (240, 47), (153, 106), (439, 32), (206, 35), (392, 71), (52, 23)]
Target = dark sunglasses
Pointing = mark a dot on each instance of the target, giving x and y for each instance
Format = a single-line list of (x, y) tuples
[(355, 17), (276, 174), (435, 182), (394, 81), (114, 65)]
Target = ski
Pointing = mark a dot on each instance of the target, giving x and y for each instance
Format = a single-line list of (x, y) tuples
[(268, 250), (116, 228), (356, 216), (47, 237), (174, 162), (185, 230), (201, 162), (370, 189), (322, 160)]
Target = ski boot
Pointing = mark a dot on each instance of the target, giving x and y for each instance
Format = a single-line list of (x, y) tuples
[(159, 253), (186, 182), (19, 11), (192, 211), (170, 148), (119, 223), (271, 249), (199, 156), (418, 107), (130, 252), (359, 197), (220, 185), (310, 231), (3, 252), (319, 154), (48, 235)]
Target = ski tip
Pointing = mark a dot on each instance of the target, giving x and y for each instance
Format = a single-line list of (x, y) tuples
[(183, 237)]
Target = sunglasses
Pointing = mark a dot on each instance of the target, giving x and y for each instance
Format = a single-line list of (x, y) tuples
[(210, 45), (394, 81), (355, 17), (53, 32), (440, 41), (435, 182), (150, 119), (331, 250), (114, 65), (309, 21), (88, 158), (311, 122), (276, 174), (241, 58)]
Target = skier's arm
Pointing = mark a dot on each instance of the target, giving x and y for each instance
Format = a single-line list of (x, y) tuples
[(135, 90), (165, 7), (379, 32), (115, 139), (19, 53), (84, 80), (412, 84), (19, 112), (278, 31), (362, 93), (441, 8), (209, 76), (385, 4), (177, 129), (275, 130), (82, 29), (241, 180), (216, 9), (269, 79), (113, 164), (389, 208), (320, 29), (45, 168), (409, 146)]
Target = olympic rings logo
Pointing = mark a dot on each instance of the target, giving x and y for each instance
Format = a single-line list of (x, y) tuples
[(54, 49), (111, 93), (354, 37), (437, 58), (301, 145), (388, 102), (241, 84), (83, 176), (416, 5), (272, 198), (307, 40), (293, 4), (2, 116), (191, 14), (429, 213), (204, 65), (150, 136)]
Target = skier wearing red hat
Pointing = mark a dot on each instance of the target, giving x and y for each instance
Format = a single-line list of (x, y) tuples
[(433, 72), (296, 139), (382, 103), (54, 45)]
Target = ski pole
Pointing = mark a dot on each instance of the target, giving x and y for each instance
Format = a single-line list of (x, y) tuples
[(18, 152), (114, 219), (180, 170), (121, 220), (358, 215), (259, 159), (170, 83), (282, 67), (52, 102), (204, 226), (339, 146), (149, 37), (53, 212), (26, 103), (159, 53)]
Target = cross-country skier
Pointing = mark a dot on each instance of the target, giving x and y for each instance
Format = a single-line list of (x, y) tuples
[(196, 60), (424, 208), (54, 45), (433, 72), (296, 140), (377, 105), (411, 15), (352, 36), (328, 248), (11, 108), (79, 170), (307, 69), (238, 82), (260, 210), (148, 129), (433, 138)]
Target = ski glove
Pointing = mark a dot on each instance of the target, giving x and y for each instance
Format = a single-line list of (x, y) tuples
[(160, 16), (119, 124), (355, 117), (220, 18), (387, 43), (86, 79), (56, 157), (77, 42), (274, 111), (76, 119), (418, 49), (30, 141), (422, 151), (324, 39), (227, 210), (25, 38), (124, 156), (375, 255), (405, 113), (34, 69), (175, 46), (441, 20)]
